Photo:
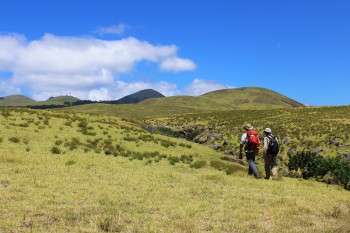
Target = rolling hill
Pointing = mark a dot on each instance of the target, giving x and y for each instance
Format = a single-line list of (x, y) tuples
[(58, 100), (139, 96), (21, 100), (228, 99), (16, 100), (251, 98), (93, 173)]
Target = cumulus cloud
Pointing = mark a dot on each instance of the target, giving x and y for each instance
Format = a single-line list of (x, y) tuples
[(81, 64), (114, 29), (120, 89), (8, 88), (176, 64), (200, 86)]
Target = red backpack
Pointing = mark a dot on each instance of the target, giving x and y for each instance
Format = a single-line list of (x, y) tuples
[(253, 139)]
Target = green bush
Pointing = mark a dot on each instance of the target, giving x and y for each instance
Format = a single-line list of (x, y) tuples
[(199, 164), (219, 165), (55, 150), (311, 165), (222, 166), (186, 159), (167, 143), (70, 162), (173, 160), (14, 139)]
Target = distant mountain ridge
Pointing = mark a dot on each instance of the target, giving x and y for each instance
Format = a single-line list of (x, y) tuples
[(150, 102), (21, 100), (16, 100), (138, 97), (246, 98)]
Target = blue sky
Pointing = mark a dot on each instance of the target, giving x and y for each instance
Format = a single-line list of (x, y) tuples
[(107, 49)]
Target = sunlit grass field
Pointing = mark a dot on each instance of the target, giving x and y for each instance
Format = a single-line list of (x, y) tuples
[(228, 99), (64, 172), (325, 130)]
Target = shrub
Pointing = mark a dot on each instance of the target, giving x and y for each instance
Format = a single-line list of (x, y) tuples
[(168, 132), (73, 144), (108, 151), (107, 224), (167, 143), (219, 165), (199, 164), (222, 166), (58, 142), (230, 169), (311, 165), (185, 145), (70, 162), (46, 121), (187, 159), (173, 160), (14, 139), (6, 113), (55, 150), (26, 141), (68, 123), (82, 124), (24, 125)]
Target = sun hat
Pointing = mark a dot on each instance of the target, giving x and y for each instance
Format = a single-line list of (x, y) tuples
[(247, 126), (267, 130)]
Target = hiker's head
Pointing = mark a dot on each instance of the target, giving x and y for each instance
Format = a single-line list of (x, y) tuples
[(267, 131), (247, 127)]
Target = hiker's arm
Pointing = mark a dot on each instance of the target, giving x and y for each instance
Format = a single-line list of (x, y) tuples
[(266, 145)]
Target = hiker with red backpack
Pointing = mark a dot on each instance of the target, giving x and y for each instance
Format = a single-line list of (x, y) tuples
[(250, 142), (271, 149)]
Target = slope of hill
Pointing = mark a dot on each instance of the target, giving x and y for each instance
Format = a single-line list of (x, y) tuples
[(230, 99), (86, 173), (251, 98), (139, 96), (16, 100), (324, 130), (59, 100)]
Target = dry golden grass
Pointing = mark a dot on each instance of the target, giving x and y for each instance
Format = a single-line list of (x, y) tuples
[(86, 191)]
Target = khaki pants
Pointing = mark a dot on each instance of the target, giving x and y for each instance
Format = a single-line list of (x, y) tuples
[(270, 166)]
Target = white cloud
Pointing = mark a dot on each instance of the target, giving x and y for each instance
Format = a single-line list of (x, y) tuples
[(120, 89), (10, 47), (200, 86), (114, 29), (54, 64), (7, 88), (176, 64)]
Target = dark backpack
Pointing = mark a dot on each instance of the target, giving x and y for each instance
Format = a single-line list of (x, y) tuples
[(253, 139), (273, 147)]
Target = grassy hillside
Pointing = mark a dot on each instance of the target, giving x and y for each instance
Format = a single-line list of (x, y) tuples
[(239, 98), (59, 100), (325, 130), (64, 172), (251, 98), (16, 100), (21, 100), (139, 96)]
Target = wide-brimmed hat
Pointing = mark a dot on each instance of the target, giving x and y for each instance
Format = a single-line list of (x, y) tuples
[(247, 126), (267, 130)]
